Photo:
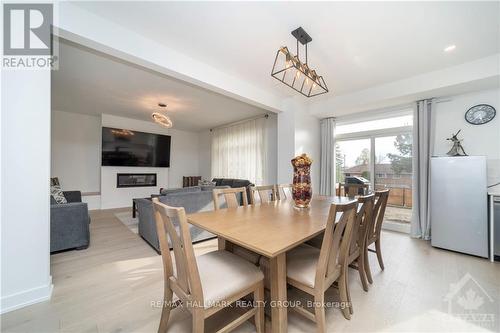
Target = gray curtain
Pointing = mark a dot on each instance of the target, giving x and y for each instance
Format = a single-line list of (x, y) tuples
[(423, 138), (327, 166)]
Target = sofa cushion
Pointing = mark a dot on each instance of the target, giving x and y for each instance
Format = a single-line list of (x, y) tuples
[(227, 182), (192, 202), (73, 196), (190, 189), (240, 183), (212, 187), (217, 181)]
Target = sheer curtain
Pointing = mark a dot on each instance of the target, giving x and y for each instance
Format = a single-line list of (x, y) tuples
[(423, 135), (240, 151), (327, 165)]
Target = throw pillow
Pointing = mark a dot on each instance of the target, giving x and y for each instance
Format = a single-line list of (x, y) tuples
[(58, 195)]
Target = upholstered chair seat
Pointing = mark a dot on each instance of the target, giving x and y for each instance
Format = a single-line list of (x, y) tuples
[(204, 284), (223, 274), (302, 263)]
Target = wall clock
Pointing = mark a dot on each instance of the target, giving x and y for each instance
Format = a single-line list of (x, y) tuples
[(480, 114)]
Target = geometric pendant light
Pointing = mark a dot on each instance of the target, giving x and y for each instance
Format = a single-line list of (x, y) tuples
[(290, 70)]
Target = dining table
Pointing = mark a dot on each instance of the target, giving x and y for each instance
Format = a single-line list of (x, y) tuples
[(271, 230)]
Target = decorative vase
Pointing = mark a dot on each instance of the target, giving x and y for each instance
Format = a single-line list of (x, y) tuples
[(301, 190)]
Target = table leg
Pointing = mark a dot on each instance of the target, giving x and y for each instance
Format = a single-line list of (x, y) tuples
[(279, 321), (224, 244), (133, 209), (221, 243)]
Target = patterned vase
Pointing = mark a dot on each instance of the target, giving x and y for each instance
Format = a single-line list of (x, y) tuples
[(302, 191)]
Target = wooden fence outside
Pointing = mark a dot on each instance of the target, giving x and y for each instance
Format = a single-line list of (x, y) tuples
[(401, 197)]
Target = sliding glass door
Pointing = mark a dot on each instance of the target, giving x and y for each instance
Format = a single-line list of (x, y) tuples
[(393, 171), (381, 151), (353, 159)]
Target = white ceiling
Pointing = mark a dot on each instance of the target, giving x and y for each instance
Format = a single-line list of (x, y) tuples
[(356, 45), (89, 82)]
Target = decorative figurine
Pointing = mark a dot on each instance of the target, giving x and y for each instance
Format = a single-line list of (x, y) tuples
[(301, 190), (457, 149)]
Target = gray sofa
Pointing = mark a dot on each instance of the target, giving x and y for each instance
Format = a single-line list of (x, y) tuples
[(69, 223), (194, 199)]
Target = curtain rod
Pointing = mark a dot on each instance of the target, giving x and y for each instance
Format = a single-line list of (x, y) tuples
[(240, 121)]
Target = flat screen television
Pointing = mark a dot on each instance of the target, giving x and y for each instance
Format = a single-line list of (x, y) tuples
[(122, 147)]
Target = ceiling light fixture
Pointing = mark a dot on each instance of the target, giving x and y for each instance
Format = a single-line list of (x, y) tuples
[(162, 119), (289, 70), (450, 48)]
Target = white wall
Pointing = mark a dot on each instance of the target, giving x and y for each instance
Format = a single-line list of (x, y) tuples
[(76, 158), (298, 133), (113, 197), (307, 140), (286, 145), (25, 155), (205, 154), (477, 140), (76, 152), (183, 162)]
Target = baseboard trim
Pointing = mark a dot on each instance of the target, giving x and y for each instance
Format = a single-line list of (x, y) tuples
[(396, 226), (26, 297)]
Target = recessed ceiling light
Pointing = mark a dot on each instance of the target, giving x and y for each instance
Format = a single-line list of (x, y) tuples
[(450, 48)]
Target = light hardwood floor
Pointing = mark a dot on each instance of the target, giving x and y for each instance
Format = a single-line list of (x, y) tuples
[(111, 286)]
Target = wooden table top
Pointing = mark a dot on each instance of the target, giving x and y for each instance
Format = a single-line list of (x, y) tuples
[(271, 228)]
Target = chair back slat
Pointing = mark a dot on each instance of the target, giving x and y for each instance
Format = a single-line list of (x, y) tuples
[(264, 193), (363, 221), (230, 196), (336, 240), (379, 207), (285, 191), (186, 274)]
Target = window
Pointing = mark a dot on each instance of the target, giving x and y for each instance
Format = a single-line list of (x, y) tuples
[(382, 148), (239, 151), (372, 125), (352, 159)]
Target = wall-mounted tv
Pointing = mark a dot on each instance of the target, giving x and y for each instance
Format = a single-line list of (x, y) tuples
[(122, 147)]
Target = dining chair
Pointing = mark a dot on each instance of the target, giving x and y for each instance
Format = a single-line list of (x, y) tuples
[(314, 270), (358, 241), (230, 196), (232, 201), (285, 191), (357, 250), (374, 231), (265, 193), (204, 284)]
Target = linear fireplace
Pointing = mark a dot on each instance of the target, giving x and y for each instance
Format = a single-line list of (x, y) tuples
[(135, 179)]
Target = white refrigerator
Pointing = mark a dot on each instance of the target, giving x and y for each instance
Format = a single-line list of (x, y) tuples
[(459, 204)]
